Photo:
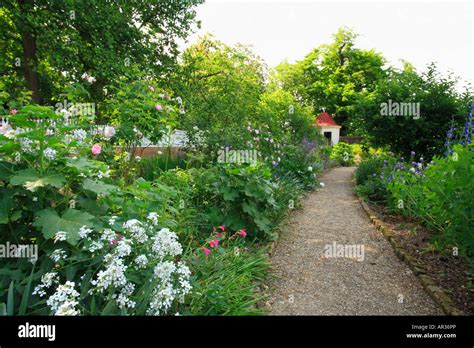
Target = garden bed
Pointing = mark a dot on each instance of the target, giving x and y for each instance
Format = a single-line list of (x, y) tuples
[(451, 273)]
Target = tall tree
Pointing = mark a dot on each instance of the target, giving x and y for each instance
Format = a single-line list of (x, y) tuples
[(409, 111), (54, 42), (220, 86), (333, 76)]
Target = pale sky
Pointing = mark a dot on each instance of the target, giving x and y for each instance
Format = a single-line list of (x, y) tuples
[(419, 32)]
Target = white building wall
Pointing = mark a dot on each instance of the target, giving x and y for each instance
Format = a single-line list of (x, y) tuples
[(335, 130)]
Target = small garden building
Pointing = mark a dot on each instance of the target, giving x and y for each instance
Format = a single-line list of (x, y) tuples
[(329, 128)]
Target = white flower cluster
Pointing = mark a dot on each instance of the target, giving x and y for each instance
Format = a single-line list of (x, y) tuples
[(113, 275), (26, 145), (170, 279), (137, 230), (139, 250), (141, 261), (50, 153), (88, 78), (64, 300), (57, 255), (47, 280), (60, 236), (166, 290), (165, 243), (123, 298), (84, 232), (153, 217), (79, 135)]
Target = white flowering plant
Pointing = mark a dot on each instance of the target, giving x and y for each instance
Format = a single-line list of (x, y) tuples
[(51, 184), (130, 267)]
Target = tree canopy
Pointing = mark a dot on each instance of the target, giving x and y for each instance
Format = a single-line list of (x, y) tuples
[(47, 44), (334, 76)]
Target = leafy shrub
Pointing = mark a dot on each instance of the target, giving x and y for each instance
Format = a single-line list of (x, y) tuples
[(442, 198), (58, 195), (301, 164), (343, 154), (373, 189), (241, 197), (368, 168)]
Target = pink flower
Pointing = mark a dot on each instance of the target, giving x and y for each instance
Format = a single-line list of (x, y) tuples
[(158, 107), (151, 88), (206, 251), (96, 149), (218, 234), (214, 243), (109, 132), (13, 111), (222, 227), (242, 233)]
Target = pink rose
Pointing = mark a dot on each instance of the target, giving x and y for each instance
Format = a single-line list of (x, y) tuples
[(13, 111), (158, 107), (96, 149)]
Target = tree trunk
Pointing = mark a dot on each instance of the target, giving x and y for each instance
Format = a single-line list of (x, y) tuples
[(29, 57)]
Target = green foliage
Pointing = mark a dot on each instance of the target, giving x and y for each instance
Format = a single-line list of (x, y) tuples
[(97, 37), (226, 282), (240, 197), (373, 189), (221, 86), (442, 198), (334, 77), (152, 167), (343, 154), (300, 163), (439, 106), (368, 168), (140, 110)]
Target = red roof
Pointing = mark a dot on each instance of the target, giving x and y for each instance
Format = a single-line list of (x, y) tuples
[(324, 119)]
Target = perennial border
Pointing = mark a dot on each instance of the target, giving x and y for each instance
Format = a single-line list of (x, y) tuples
[(438, 295)]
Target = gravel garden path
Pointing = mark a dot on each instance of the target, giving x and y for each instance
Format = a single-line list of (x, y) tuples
[(309, 280)]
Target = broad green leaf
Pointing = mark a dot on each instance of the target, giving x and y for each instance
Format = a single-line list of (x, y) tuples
[(6, 170), (82, 164), (31, 181), (229, 194), (70, 222), (6, 203), (98, 187)]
